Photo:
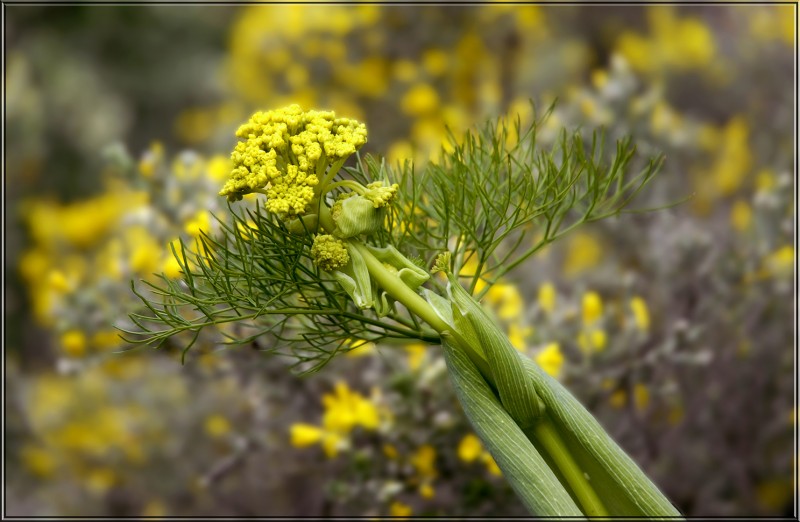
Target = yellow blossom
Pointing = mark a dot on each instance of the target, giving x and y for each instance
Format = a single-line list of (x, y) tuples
[(73, 342), (641, 314), (145, 252), (517, 335), (593, 340), (38, 461), (741, 215), (58, 281), (506, 299), (170, 266), (491, 465), (470, 448), (154, 509), (398, 509), (618, 399), (346, 409), (106, 339), (217, 426), (424, 461), (592, 308), (303, 435), (781, 261), (765, 180), (420, 99), (405, 70), (426, 490), (416, 354), (201, 222), (551, 359), (584, 252), (547, 297), (390, 452), (733, 157), (219, 167), (359, 348), (435, 61), (641, 396), (100, 480)]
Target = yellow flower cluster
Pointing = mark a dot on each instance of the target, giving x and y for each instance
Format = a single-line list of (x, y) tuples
[(329, 253), (285, 151), (344, 411)]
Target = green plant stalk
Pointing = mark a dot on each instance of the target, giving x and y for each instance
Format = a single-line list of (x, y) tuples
[(548, 436), (543, 430)]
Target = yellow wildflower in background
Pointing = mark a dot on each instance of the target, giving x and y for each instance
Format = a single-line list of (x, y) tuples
[(733, 158), (416, 354), (517, 335), (344, 411), (217, 426), (421, 99), (593, 340), (551, 359), (780, 262), (470, 448), (73, 342), (359, 348), (641, 396), (491, 464), (641, 314), (424, 461), (583, 252), (398, 509), (618, 399), (170, 266), (547, 297), (302, 435), (154, 509), (199, 223), (506, 299), (426, 491), (741, 215), (592, 308), (39, 461)]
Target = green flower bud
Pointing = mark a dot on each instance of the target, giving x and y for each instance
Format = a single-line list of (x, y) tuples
[(355, 215)]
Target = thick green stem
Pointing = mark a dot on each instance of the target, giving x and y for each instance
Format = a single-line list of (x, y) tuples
[(543, 430), (551, 441)]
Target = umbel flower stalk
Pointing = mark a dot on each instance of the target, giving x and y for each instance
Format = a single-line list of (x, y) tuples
[(334, 254)]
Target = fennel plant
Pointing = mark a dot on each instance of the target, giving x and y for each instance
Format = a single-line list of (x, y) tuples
[(338, 253)]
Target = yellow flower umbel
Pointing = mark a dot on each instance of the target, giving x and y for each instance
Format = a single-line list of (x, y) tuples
[(287, 153), (329, 253)]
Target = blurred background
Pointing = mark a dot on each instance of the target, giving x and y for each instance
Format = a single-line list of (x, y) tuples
[(674, 327)]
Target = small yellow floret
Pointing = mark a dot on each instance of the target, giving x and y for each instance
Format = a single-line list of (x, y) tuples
[(640, 313), (547, 297), (74, 343), (329, 253), (304, 435), (592, 308), (380, 194), (217, 426), (551, 359), (470, 448)]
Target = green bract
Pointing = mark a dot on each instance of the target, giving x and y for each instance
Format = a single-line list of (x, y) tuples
[(351, 269)]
